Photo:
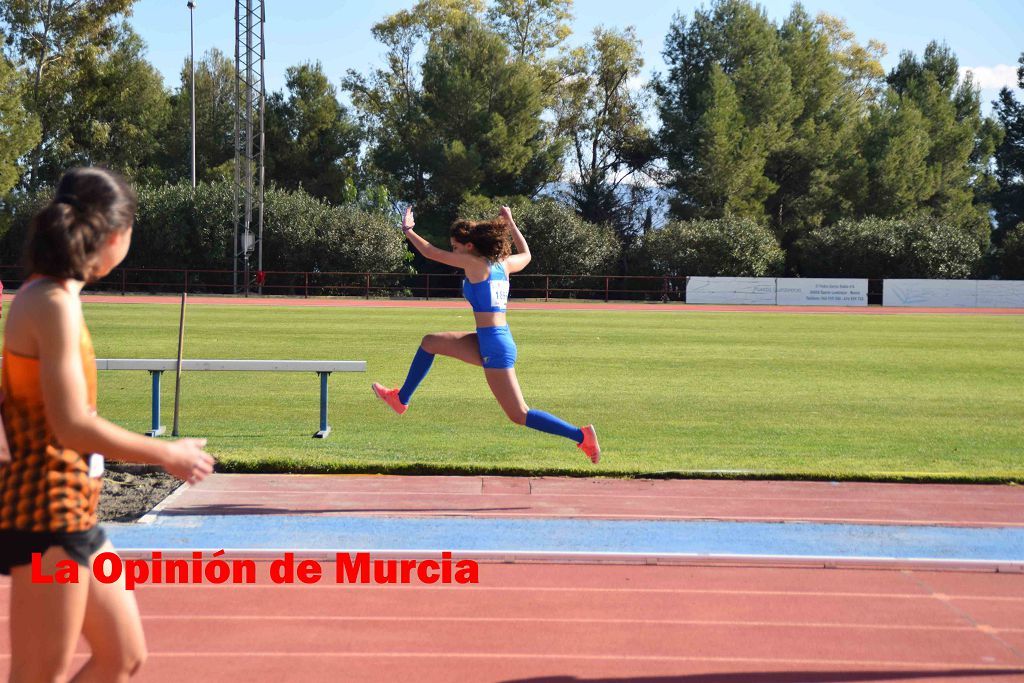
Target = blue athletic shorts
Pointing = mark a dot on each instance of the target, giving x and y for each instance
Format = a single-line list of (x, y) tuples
[(497, 348)]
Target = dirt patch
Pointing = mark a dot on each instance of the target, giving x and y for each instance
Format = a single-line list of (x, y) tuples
[(131, 492)]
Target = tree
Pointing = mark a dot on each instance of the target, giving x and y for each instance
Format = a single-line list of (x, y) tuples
[(389, 101), (531, 27), (860, 65), (19, 130), (119, 112), (312, 140), (957, 180), (895, 147), (52, 38), (602, 116), (466, 121), (215, 120), (726, 104), (484, 113), (831, 96), (1009, 201)]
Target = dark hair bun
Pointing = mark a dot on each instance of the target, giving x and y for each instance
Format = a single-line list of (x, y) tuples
[(65, 236), (492, 239)]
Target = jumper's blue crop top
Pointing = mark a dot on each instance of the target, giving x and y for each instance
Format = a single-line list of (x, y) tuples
[(491, 295)]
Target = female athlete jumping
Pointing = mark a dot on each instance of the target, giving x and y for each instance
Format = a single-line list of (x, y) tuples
[(483, 251)]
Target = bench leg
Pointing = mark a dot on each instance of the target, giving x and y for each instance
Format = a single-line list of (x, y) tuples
[(324, 427), (157, 429)]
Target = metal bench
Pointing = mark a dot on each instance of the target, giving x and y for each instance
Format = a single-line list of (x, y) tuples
[(157, 366)]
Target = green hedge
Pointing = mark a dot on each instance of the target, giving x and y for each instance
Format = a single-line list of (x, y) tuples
[(890, 248), (1011, 256), (179, 228), (731, 246)]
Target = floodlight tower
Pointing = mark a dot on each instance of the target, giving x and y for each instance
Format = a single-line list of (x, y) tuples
[(192, 64), (250, 98)]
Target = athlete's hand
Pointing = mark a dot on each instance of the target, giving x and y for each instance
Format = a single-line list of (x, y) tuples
[(506, 213), (188, 461), (408, 222)]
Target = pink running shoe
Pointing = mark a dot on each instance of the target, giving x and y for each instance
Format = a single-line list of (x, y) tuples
[(589, 445), (390, 396)]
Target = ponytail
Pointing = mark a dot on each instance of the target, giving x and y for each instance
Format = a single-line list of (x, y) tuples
[(66, 235)]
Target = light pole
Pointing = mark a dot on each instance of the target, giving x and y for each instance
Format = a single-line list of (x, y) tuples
[(192, 61)]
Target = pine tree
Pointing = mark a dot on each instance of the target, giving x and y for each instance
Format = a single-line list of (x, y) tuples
[(726, 105), (315, 142), (1009, 201)]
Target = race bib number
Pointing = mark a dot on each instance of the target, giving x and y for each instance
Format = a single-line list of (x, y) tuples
[(499, 293)]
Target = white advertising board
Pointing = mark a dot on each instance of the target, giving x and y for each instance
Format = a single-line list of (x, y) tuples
[(930, 293), (798, 291), (731, 290), (1001, 294)]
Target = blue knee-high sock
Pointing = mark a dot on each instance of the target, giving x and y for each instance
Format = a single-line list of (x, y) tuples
[(421, 363), (548, 423)]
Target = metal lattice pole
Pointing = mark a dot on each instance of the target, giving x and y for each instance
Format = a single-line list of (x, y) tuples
[(250, 99), (192, 64)]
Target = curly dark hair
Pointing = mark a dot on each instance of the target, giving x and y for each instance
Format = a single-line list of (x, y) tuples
[(492, 239), (66, 234)]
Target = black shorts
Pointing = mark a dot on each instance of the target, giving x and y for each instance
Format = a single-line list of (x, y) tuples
[(17, 547)]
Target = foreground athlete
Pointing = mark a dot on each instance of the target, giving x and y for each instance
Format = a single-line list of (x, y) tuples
[(50, 479)]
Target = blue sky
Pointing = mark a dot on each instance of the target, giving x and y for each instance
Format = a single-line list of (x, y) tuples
[(984, 34)]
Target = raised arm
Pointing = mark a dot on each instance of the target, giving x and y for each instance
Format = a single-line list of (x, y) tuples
[(429, 250), (516, 262)]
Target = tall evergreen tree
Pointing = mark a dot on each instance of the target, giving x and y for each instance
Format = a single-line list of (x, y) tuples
[(389, 101), (119, 112), (484, 114), (312, 141), (894, 146), (807, 169), (726, 105), (1009, 201), (465, 121), (928, 96)]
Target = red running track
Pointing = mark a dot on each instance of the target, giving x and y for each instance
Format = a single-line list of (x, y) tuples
[(528, 622), (595, 498), (540, 306), (596, 622)]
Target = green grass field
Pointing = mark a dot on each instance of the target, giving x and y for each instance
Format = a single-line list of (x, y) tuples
[(928, 397)]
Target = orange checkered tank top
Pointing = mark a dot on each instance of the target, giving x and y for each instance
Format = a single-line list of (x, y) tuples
[(45, 487)]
